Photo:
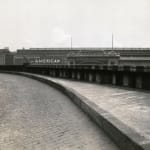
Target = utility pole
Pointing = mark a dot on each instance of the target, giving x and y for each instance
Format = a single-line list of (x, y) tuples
[(71, 42), (112, 41)]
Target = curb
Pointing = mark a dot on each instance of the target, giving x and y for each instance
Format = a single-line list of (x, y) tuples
[(124, 137)]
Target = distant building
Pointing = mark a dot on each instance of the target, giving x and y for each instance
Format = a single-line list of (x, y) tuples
[(6, 57), (40, 56), (94, 57), (80, 56), (65, 56)]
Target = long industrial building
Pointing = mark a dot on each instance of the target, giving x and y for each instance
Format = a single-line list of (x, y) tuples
[(76, 56)]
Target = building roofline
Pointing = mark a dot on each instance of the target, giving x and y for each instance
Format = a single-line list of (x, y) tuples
[(89, 48)]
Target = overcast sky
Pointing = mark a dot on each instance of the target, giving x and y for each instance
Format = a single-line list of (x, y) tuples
[(51, 23)]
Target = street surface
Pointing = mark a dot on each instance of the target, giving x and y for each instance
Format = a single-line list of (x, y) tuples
[(34, 116)]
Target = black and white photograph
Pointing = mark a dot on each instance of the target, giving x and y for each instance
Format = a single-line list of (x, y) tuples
[(74, 74)]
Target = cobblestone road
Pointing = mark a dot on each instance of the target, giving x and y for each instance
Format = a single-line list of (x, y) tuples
[(34, 116)]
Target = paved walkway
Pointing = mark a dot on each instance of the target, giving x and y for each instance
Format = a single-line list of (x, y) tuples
[(129, 106), (34, 116)]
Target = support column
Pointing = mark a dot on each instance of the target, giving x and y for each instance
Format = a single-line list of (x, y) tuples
[(98, 78), (73, 75), (78, 76), (125, 80), (114, 79), (138, 82), (90, 77), (85, 76)]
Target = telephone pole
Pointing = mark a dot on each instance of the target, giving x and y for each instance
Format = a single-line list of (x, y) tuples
[(71, 42), (112, 41)]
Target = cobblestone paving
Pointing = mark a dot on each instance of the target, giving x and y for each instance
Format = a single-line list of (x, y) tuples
[(34, 116), (130, 106)]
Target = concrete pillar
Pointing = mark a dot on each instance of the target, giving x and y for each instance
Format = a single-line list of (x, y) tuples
[(114, 79), (90, 77), (78, 76), (73, 75), (138, 81), (98, 78), (125, 80), (69, 74)]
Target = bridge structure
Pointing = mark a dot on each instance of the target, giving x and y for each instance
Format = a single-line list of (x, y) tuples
[(127, 76)]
